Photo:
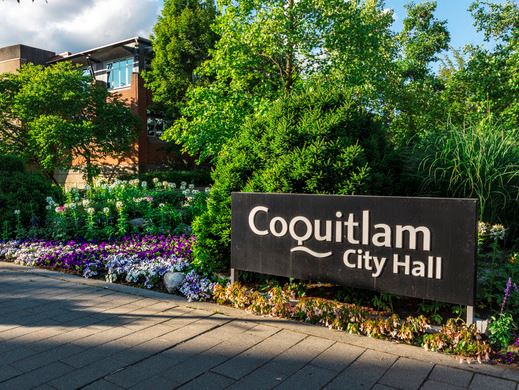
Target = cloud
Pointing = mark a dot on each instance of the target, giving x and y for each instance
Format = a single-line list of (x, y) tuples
[(75, 25)]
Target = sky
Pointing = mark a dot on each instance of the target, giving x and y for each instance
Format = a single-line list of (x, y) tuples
[(76, 25)]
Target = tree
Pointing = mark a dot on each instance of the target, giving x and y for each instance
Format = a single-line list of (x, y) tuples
[(488, 80), (422, 39), (181, 40), (414, 106), (268, 48), (54, 115)]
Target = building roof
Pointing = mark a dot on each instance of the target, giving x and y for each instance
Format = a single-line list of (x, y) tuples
[(26, 53), (119, 49)]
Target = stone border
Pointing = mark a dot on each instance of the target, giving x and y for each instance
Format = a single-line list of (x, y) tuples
[(390, 347)]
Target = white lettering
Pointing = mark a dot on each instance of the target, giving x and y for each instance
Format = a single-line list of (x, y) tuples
[(430, 265), (252, 215), (405, 264), (383, 238), (418, 269), (293, 233), (328, 230), (426, 236), (367, 262), (350, 225), (346, 258), (379, 266), (284, 227), (365, 227), (438, 267)]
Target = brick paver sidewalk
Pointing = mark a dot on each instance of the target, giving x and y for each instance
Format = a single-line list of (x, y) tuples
[(63, 332)]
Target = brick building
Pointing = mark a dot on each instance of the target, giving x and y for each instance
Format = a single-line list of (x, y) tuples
[(118, 65)]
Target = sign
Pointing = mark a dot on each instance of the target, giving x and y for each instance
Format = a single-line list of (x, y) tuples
[(418, 247)]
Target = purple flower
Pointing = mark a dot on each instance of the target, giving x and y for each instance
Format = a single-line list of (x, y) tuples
[(508, 290)]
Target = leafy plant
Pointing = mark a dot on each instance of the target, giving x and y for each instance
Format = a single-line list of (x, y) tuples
[(431, 310), (476, 161), (500, 330)]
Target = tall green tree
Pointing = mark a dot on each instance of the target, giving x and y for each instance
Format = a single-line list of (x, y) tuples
[(414, 106), (487, 81), (181, 40), (53, 115), (268, 48)]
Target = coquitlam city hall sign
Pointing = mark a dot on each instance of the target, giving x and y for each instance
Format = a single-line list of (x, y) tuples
[(418, 247)]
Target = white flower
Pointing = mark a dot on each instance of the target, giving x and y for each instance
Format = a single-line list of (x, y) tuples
[(119, 204), (48, 207), (144, 184), (72, 206), (106, 210), (85, 202), (497, 232), (191, 186), (49, 200), (90, 210), (16, 212), (207, 189), (183, 183), (155, 180), (172, 185), (165, 184), (161, 205)]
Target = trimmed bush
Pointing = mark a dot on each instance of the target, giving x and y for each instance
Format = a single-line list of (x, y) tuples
[(10, 164), (23, 191), (318, 141)]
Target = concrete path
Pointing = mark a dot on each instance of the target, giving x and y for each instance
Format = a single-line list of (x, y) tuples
[(63, 332)]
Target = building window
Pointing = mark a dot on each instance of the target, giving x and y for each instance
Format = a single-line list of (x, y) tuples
[(120, 73)]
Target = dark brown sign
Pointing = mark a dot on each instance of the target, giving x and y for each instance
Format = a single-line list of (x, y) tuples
[(418, 247)]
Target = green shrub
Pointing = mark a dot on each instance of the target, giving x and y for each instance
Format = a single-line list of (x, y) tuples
[(478, 161), (11, 164), (23, 191), (501, 330), (317, 141)]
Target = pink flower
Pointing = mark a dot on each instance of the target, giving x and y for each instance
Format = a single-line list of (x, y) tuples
[(60, 209)]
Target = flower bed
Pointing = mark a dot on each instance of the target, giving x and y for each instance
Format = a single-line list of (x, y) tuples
[(107, 211), (137, 260), (454, 337)]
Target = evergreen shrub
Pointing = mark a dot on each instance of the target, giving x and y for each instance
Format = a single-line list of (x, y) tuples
[(24, 191), (319, 140)]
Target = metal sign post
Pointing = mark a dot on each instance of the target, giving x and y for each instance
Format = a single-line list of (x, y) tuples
[(470, 315)]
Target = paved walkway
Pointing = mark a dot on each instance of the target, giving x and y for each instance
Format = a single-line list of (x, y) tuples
[(64, 332)]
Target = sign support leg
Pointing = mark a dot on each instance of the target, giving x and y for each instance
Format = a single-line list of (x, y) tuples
[(470, 315), (235, 274)]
